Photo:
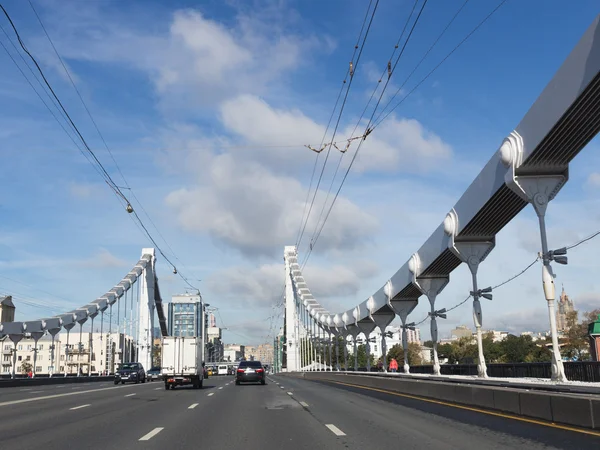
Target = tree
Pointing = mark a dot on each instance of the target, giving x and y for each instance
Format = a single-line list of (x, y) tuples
[(26, 367), (361, 351), (414, 354), (575, 342), (523, 349), (157, 355)]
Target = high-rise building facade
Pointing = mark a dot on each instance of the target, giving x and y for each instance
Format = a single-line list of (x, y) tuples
[(565, 306), (185, 316)]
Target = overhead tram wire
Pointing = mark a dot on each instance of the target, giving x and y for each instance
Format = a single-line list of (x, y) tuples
[(96, 162), (379, 121), (424, 57), (98, 129), (300, 228), (351, 72), (342, 154), (364, 136), (432, 71)]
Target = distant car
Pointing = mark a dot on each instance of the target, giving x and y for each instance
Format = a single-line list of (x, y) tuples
[(153, 374), (250, 371), (222, 370), (133, 372)]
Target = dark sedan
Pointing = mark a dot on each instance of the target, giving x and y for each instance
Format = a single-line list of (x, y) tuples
[(133, 372), (250, 371)]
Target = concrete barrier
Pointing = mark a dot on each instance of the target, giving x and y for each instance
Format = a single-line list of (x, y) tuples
[(19, 382), (579, 410)]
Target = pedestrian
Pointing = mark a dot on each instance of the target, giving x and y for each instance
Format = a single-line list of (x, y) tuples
[(393, 365)]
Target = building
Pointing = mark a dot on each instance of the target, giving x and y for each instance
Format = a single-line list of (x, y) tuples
[(394, 337), (565, 306), (185, 315), (214, 344), (262, 353), (461, 332), (7, 309), (234, 352), (212, 321), (96, 354)]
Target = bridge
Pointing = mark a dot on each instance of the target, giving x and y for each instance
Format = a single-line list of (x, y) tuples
[(313, 404)]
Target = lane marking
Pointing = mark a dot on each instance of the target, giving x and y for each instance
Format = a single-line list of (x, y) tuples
[(304, 404), (281, 387), (483, 411), (193, 405), (157, 389), (150, 435), (35, 392), (79, 407), (335, 430), (289, 393), (212, 393), (130, 395), (23, 390), (221, 387)]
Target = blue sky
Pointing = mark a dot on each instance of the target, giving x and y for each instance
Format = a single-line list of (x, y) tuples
[(206, 107)]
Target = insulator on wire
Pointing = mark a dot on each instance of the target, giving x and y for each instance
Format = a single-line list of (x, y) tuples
[(351, 69), (389, 69)]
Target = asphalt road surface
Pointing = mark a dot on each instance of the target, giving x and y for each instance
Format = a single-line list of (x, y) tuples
[(287, 413)]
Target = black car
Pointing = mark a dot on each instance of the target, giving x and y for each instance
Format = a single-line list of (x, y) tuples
[(250, 371), (153, 374), (133, 372)]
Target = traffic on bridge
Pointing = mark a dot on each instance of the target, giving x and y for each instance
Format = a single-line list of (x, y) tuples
[(211, 126)]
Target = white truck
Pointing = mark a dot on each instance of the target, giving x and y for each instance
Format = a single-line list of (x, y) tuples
[(182, 361)]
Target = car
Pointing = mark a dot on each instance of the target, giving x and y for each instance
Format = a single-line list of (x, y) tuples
[(250, 371), (133, 372), (153, 374)]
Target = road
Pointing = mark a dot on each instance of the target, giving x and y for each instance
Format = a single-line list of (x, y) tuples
[(287, 413)]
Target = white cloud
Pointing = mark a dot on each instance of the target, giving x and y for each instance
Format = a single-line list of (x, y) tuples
[(249, 208), (594, 180)]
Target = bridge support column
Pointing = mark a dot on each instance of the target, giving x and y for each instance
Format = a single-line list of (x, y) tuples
[(403, 307), (36, 335), (431, 287), (146, 311), (53, 332), (367, 326), (539, 190), (472, 253), (15, 338), (382, 321), (67, 327)]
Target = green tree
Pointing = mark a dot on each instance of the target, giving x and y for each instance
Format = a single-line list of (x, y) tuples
[(523, 349), (414, 354), (26, 367), (361, 351)]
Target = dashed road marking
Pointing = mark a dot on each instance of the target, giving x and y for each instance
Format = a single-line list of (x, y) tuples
[(221, 387), (157, 389), (130, 395), (335, 430), (23, 390), (193, 405), (304, 404), (35, 392), (212, 393), (150, 435), (78, 407), (289, 393), (281, 387)]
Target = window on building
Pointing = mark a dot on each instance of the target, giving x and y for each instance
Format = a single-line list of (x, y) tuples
[(19, 358), (20, 347), (62, 368), (62, 357), (38, 368), (49, 369), (41, 347), (28, 358), (7, 358), (29, 347), (7, 347)]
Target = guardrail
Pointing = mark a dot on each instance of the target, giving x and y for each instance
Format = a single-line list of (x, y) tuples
[(586, 371), (41, 381)]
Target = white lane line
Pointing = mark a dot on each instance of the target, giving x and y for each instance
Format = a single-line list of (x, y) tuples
[(157, 389), (193, 405), (221, 387), (289, 393), (281, 387), (130, 395), (335, 430), (23, 390), (35, 392), (212, 393), (79, 407), (304, 404), (150, 435)]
